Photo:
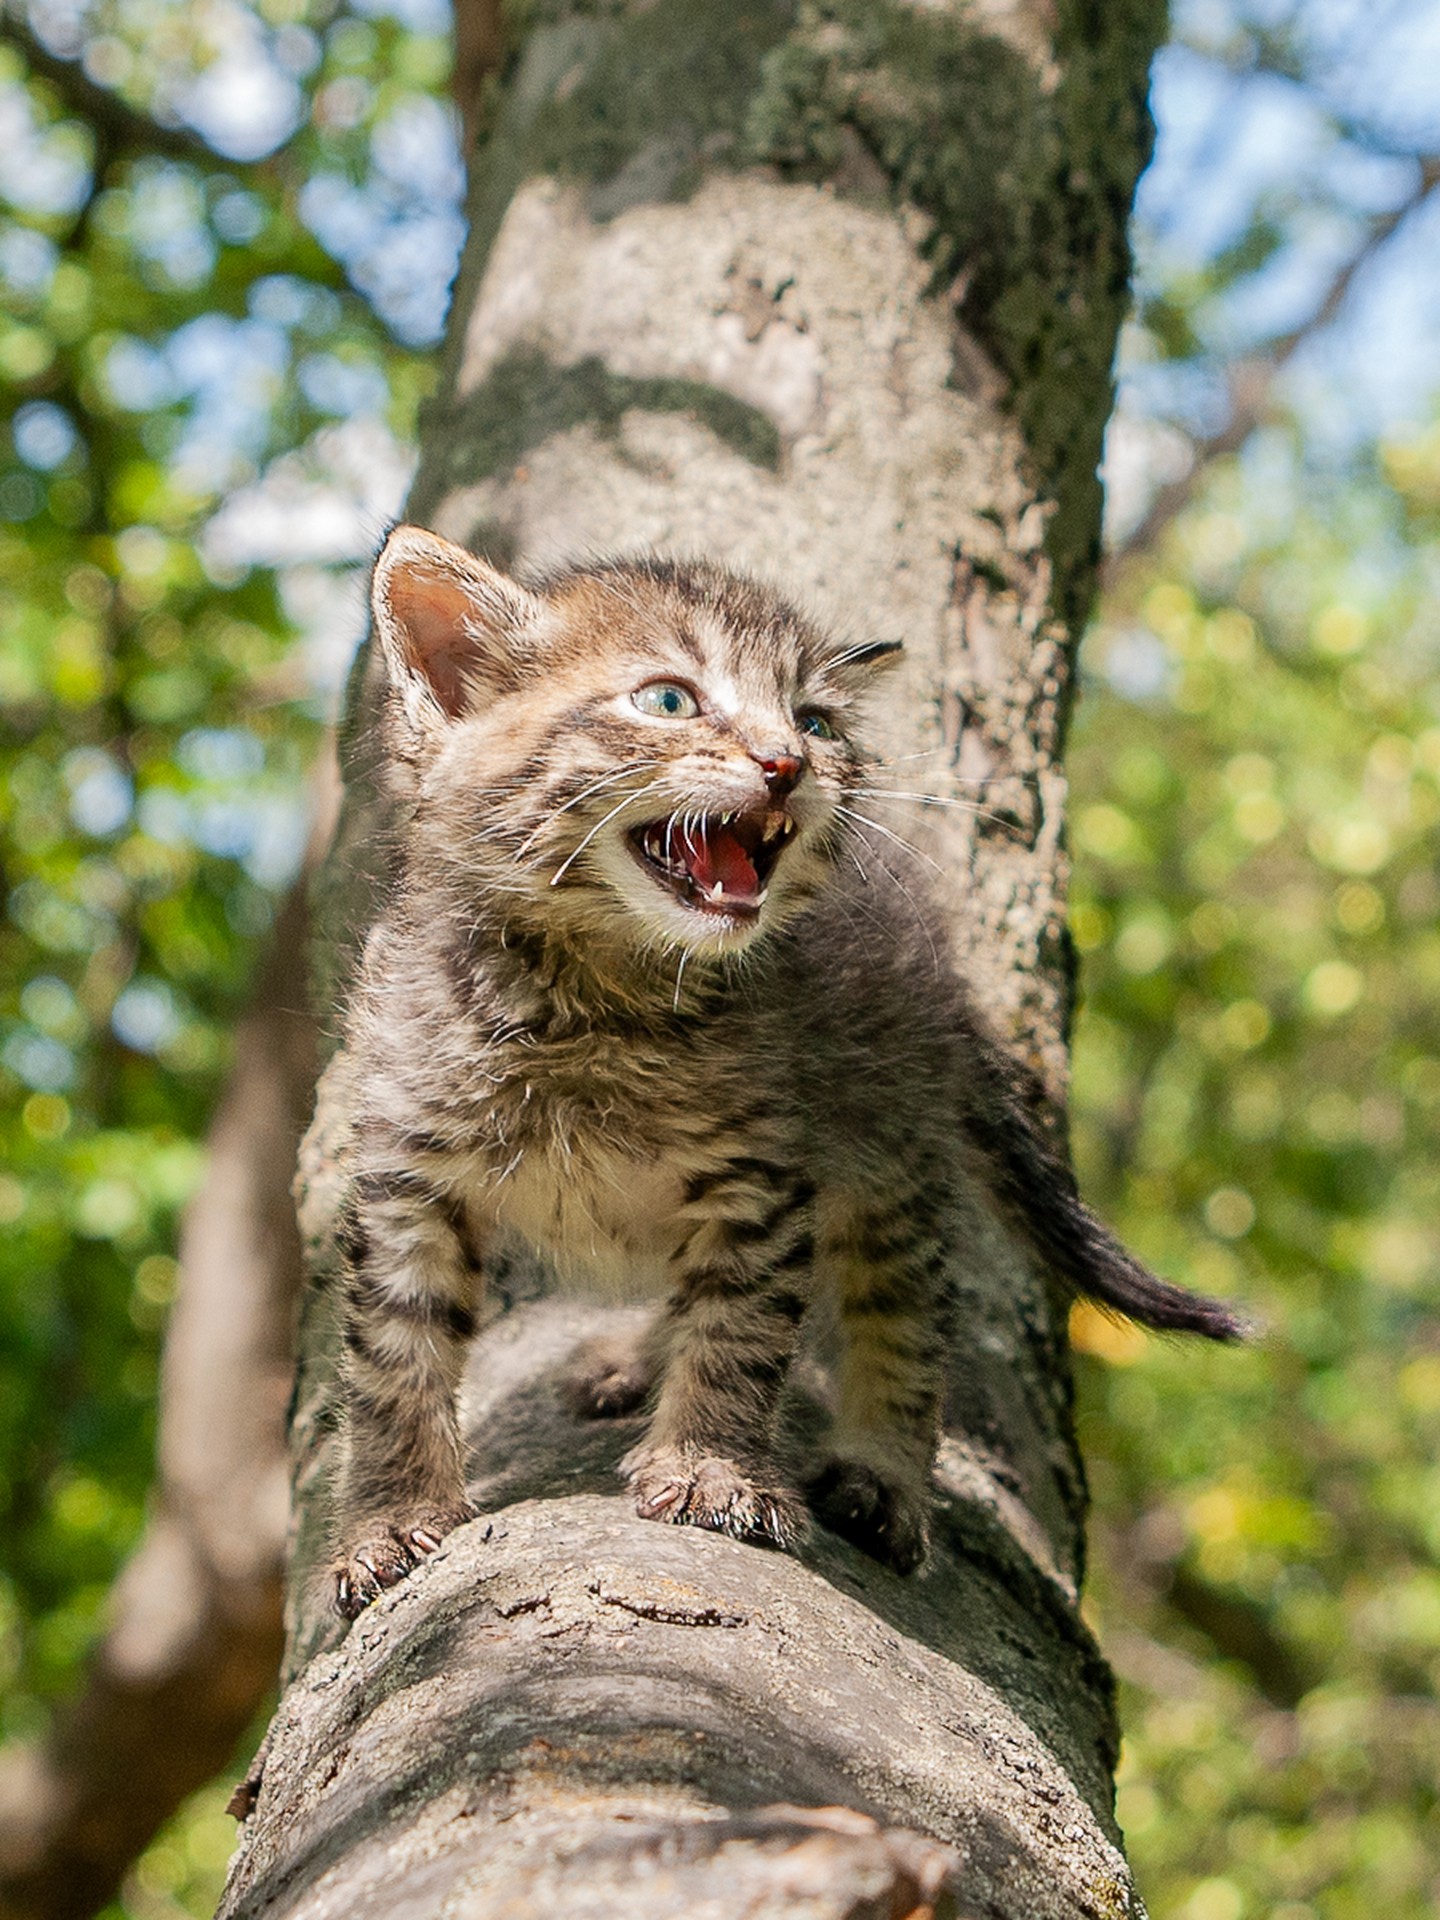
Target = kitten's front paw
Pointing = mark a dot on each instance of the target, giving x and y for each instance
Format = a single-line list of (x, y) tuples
[(691, 1489), (383, 1550), (608, 1378), (888, 1521)]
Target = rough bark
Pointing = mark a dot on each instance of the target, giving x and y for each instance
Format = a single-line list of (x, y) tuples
[(830, 292)]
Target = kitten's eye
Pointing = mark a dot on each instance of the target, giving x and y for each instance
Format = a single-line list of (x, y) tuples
[(816, 725), (666, 700)]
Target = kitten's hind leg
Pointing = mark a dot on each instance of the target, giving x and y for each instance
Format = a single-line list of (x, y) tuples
[(888, 1267), (611, 1376)]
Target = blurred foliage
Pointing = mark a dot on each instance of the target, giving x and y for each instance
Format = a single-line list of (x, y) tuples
[(1256, 781), (1257, 773), (225, 234), (174, 318)]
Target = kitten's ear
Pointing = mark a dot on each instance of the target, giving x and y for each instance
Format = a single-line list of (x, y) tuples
[(447, 623), (859, 666)]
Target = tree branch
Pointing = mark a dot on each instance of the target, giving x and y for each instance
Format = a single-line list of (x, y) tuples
[(479, 52), (115, 122), (1252, 380), (569, 1709)]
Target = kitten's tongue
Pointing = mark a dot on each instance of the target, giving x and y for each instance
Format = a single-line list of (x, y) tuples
[(717, 855)]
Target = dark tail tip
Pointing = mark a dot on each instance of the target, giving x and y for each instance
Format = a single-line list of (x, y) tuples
[(1140, 1295)]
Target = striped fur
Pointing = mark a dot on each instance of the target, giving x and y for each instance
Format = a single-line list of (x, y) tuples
[(733, 1108)]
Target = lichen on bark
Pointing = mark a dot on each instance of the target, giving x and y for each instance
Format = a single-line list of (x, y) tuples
[(526, 399), (1021, 156)]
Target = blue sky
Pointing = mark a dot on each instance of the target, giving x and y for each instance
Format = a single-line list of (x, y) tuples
[(1321, 155)]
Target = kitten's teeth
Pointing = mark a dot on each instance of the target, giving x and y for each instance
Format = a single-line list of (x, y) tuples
[(774, 825), (716, 891)]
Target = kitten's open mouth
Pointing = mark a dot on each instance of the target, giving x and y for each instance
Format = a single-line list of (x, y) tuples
[(715, 862)]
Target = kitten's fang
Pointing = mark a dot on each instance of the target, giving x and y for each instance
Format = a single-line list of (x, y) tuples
[(723, 861)]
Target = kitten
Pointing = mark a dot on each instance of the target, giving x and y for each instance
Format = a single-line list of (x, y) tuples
[(645, 996)]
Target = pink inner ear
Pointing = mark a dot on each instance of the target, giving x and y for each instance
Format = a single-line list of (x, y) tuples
[(431, 611)]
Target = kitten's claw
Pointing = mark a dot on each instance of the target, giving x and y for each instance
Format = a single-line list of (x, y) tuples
[(387, 1551), (651, 1506), (382, 1566), (686, 1489), (888, 1521)]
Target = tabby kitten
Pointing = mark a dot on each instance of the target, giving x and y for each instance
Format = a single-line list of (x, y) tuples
[(645, 997)]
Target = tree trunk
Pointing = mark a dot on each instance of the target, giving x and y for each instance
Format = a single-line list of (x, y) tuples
[(829, 292)]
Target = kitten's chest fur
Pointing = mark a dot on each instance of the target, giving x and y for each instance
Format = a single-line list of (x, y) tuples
[(585, 1142), (605, 1220)]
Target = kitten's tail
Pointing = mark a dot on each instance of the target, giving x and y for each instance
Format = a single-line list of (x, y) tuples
[(1038, 1197), (1082, 1250)]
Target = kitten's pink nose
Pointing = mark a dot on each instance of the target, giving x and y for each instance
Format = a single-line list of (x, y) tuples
[(782, 772)]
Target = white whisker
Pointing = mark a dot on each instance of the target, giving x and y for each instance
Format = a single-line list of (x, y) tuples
[(857, 651), (595, 786), (928, 753), (680, 975), (925, 799), (941, 800), (850, 813), (570, 860), (922, 918)]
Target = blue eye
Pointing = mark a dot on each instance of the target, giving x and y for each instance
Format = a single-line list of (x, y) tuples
[(816, 725), (666, 700)]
